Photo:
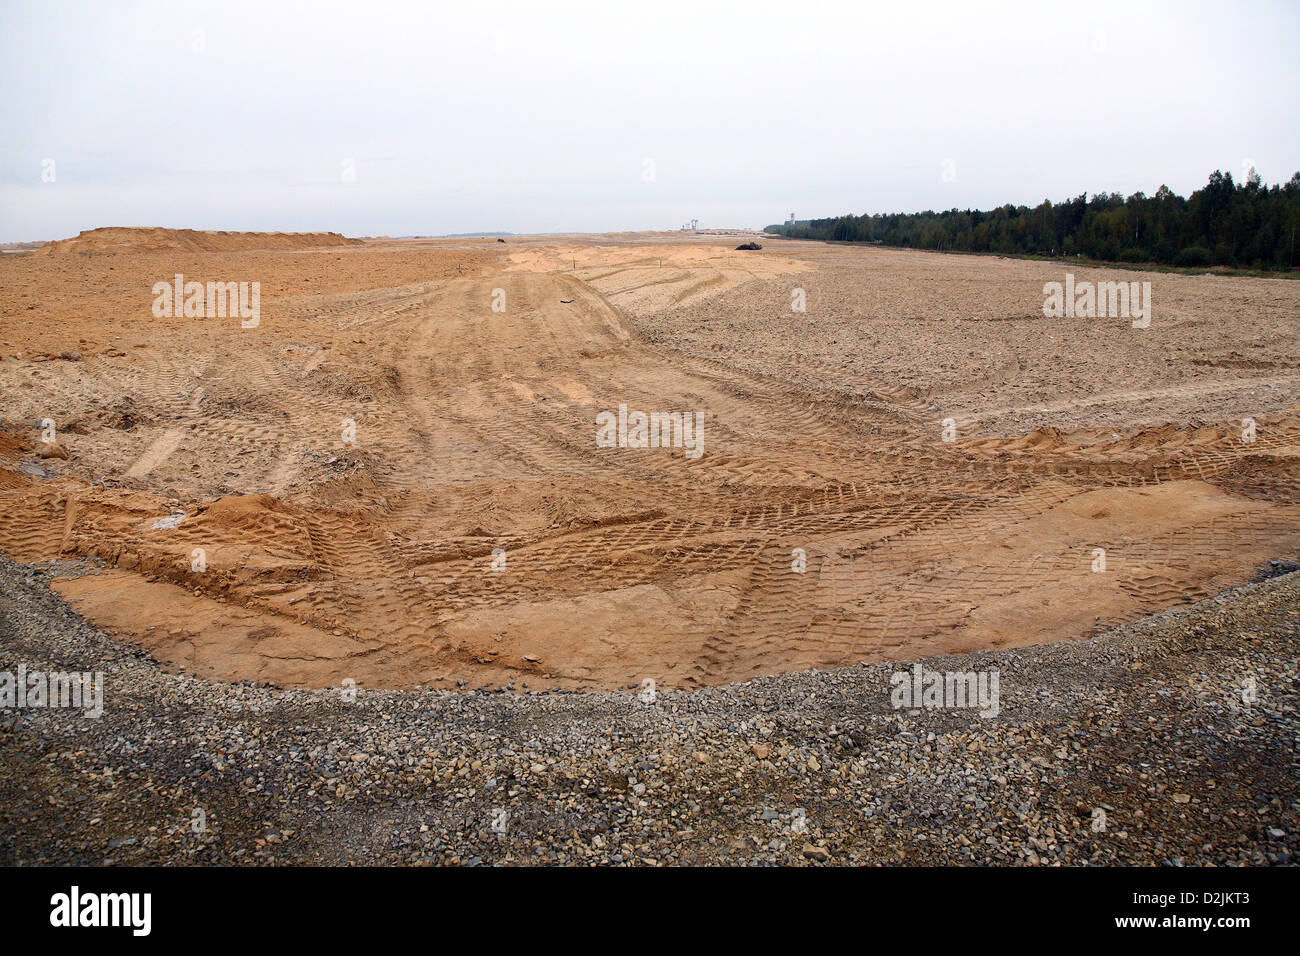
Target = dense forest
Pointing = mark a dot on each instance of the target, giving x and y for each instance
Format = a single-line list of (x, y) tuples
[(1248, 226)]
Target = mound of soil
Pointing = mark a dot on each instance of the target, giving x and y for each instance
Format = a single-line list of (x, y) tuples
[(157, 239)]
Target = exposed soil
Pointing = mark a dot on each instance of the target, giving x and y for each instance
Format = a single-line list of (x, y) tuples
[(474, 534)]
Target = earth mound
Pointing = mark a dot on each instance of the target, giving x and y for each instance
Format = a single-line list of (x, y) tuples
[(158, 239)]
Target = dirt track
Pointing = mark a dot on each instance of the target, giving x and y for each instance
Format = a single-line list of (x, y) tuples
[(475, 433)]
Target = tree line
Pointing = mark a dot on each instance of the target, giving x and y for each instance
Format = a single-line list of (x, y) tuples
[(1247, 225)]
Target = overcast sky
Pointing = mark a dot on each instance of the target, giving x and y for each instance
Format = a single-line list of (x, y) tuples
[(620, 114)]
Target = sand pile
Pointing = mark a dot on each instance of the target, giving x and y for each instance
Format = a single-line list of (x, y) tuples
[(158, 239)]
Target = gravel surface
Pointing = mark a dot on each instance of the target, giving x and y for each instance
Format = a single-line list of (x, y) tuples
[(1133, 747)]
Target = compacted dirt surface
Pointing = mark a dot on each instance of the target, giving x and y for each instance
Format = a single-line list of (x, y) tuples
[(394, 478)]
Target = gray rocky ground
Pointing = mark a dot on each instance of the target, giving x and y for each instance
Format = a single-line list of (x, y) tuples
[(1134, 747)]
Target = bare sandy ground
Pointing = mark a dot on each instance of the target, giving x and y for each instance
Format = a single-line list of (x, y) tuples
[(474, 534)]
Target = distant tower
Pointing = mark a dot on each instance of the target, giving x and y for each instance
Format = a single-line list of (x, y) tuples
[(791, 222), (695, 224)]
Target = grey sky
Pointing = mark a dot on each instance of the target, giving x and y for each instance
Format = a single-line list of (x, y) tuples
[(539, 117)]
